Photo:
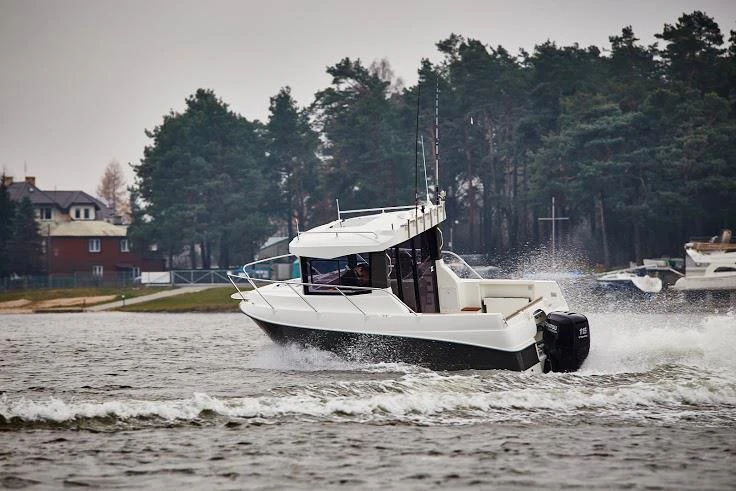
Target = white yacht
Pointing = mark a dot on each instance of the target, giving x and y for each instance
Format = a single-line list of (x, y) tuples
[(374, 287), (632, 279), (709, 265)]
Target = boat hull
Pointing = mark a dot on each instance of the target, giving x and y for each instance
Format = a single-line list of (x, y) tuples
[(706, 283), (429, 353), (638, 284)]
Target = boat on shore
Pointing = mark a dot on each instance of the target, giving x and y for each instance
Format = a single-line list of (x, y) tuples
[(710, 266), (374, 287)]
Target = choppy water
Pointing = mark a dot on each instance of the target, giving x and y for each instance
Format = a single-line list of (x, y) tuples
[(113, 400)]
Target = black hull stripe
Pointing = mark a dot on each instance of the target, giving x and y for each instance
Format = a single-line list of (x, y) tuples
[(436, 355)]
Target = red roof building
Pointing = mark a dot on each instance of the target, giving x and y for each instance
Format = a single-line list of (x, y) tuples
[(81, 234)]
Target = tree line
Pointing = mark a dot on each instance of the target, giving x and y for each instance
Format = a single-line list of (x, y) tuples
[(635, 143)]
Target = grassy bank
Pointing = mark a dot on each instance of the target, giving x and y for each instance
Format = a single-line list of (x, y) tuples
[(215, 299), (211, 300), (54, 293)]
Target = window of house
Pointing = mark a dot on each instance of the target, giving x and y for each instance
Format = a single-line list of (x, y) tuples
[(77, 213), (44, 213), (97, 271), (124, 245), (86, 213), (94, 245)]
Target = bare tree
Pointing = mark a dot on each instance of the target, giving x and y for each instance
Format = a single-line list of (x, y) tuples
[(112, 189)]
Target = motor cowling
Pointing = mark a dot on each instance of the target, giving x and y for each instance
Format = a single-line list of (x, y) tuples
[(566, 340)]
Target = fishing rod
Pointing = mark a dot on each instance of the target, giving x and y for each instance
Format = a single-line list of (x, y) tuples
[(416, 154)]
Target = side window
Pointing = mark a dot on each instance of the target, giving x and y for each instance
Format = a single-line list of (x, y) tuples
[(94, 245), (44, 213), (124, 246), (330, 276), (97, 271)]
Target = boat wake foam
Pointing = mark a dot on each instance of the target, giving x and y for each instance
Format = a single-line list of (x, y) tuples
[(667, 394)]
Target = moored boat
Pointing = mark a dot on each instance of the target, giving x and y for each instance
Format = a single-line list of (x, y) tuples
[(632, 280), (374, 287), (710, 266)]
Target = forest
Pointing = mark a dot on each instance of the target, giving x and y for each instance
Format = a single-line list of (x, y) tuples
[(636, 144)]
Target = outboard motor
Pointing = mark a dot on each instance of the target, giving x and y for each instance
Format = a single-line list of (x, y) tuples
[(566, 338)]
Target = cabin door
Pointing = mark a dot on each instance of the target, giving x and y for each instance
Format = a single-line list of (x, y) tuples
[(413, 277)]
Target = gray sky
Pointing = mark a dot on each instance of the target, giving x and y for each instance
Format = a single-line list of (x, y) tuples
[(82, 80)]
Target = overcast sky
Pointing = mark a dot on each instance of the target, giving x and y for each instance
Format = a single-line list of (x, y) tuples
[(82, 80)]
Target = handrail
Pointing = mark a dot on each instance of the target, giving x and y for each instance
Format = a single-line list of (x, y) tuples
[(338, 232), (382, 210), (266, 260), (523, 308), (433, 211), (463, 261), (291, 284)]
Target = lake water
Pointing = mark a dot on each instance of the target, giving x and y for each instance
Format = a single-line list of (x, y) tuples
[(206, 401)]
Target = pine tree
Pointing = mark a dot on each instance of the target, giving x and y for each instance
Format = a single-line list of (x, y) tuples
[(25, 250), (7, 216)]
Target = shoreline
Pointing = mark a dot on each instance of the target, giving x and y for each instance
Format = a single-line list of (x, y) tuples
[(187, 299)]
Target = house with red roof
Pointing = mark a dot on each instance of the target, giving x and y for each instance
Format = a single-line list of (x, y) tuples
[(81, 234)]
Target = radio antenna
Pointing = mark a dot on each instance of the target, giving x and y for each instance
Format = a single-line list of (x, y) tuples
[(437, 143)]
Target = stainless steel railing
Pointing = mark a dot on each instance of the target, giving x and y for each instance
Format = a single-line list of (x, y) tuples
[(292, 283)]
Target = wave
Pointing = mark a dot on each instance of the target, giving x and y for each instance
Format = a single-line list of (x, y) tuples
[(668, 393)]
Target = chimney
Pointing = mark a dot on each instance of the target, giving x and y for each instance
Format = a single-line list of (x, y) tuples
[(8, 181), (31, 180)]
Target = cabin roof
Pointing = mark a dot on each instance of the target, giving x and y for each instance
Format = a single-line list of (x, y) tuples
[(373, 232)]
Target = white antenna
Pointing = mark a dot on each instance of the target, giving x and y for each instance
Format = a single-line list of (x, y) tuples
[(437, 143), (424, 160)]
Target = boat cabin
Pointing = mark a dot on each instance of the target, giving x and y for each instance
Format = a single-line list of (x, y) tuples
[(395, 249)]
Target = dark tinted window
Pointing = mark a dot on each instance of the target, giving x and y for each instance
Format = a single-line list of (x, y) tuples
[(344, 272)]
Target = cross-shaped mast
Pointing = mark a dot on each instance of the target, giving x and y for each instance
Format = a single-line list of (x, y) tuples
[(553, 219)]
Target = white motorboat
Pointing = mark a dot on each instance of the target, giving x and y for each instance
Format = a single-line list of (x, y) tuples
[(709, 265), (374, 287), (632, 279)]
